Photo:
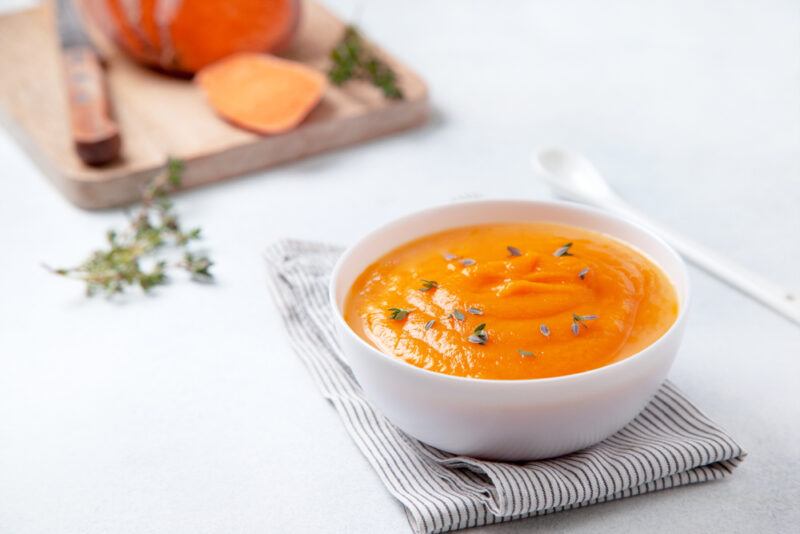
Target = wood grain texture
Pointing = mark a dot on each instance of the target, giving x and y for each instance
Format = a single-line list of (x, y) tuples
[(94, 131), (161, 116)]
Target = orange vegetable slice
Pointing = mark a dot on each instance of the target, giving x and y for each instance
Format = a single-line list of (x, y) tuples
[(260, 92)]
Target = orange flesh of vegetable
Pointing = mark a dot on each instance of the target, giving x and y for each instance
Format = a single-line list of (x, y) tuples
[(203, 32), (183, 36), (634, 301), (126, 33), (149, 26), (262, 93)]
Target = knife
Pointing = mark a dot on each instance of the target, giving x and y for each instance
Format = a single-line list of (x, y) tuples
[(95, 132)]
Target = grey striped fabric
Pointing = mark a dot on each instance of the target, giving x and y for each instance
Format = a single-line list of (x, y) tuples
[(671, 443)]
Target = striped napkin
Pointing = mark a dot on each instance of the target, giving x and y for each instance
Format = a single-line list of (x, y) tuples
[(671, 443)]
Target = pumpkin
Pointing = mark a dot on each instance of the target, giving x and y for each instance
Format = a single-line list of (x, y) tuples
[(183, 36)]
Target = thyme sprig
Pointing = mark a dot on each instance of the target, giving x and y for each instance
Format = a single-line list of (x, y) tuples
[(513, 251), (135, 255), (525, 353), (583, 273), (353, 59)]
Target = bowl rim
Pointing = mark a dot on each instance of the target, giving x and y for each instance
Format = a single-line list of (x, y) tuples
[(581, 376)]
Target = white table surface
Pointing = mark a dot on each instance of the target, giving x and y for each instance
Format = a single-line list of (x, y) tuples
[(187, 412)]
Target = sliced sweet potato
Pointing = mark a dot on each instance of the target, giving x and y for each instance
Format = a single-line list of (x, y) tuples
[(260, 92)]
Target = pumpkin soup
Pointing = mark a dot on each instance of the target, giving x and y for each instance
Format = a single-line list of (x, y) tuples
[(512, 301)]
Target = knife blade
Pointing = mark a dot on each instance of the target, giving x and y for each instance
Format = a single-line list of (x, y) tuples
[(95, 132)]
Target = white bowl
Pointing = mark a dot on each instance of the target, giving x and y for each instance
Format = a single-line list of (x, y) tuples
[(507, 419)]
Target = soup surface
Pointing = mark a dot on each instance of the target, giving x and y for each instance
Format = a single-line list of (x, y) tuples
[(512, 301)]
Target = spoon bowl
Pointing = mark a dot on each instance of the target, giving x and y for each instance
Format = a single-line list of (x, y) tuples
[(572, 176)]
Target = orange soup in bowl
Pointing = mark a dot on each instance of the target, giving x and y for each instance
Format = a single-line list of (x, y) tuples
[(512, 301)]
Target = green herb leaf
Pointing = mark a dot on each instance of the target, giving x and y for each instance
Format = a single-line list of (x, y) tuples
[(475, 311), (427, 285), (514, 251), (466, 262), (544, 330), (583, 273), (430, 324), (563, 251), (353, 59), (458, 314), (449, 256), (398, 314), (525, 353), (479, 335), (175, 168), (580, 320), (198, 266)]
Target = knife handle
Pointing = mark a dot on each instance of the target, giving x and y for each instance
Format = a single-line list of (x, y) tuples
[(94, 130)]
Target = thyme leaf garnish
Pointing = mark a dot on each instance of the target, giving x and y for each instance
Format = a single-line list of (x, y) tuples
[(458, 314), (449, 256), (466, 262), (430, 324), (583, 273), (544, 330), (475, 311), (514, 251), (580, 320), (398, 314), (427, 285), (563, 251), (479, 335), (525, 353)]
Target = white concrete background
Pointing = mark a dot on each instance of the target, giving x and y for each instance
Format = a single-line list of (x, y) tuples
[(186, 412)]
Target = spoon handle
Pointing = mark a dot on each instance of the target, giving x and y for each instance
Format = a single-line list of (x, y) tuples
[(771, 295)]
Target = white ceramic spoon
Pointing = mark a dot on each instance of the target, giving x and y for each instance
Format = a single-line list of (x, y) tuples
[(573, 177)]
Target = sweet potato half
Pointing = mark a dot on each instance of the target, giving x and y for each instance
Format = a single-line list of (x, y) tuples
[(262, 93)]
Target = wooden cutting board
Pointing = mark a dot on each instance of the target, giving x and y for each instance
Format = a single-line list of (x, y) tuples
[(163, 117)]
